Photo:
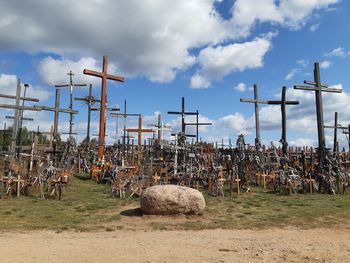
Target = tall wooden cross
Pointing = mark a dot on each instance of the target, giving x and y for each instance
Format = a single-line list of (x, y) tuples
[(71, 86), (197, 124), (256, 102), (139, 131), (104, 76), (318, 88), (283, 102), (183, 113)]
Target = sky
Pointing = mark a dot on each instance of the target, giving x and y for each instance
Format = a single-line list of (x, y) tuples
[(209, 51)]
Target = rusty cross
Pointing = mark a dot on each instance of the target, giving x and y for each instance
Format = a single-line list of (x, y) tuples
[(104, 76), (139, 130)]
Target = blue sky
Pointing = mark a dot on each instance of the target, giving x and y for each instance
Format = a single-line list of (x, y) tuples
[(211, 52)]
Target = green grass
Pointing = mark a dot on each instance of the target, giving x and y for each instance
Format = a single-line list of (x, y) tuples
[(267, 210), (85, 206)]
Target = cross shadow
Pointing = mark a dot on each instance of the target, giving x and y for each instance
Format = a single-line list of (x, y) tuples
[(135, 212)]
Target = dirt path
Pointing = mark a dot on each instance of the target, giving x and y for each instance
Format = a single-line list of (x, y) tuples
[(275, 245)]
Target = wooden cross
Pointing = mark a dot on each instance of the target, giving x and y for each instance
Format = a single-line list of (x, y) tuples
[(18, 181), (256, 102), (336, 127), (183, 113), (283, 104), (139, 130), (71, 86), (318, 88), (104, 76), (160, 127)]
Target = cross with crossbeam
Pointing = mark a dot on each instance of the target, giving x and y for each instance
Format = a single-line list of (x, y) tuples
[(183, 113), (318, 88), (256, 102), (283, 102), (139, 131), (104, 76)]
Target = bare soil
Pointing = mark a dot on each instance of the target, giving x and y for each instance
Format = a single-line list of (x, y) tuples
[(273, 245)]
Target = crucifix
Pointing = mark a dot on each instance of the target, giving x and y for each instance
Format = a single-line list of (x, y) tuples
[(71, 86), (197, 124), (139, 130), (90, 101), (256, 102), (318, 88), (183, 113), (104, 76), (283, 102)]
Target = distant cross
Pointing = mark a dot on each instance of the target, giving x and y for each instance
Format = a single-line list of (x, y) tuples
[(335, 128), (183, 113), (256, 102), (71, 86), (124, 116), (197, 124), (139, 131), (318, 87), (283, 102), (104, 76), (160, 127), (90, 101)]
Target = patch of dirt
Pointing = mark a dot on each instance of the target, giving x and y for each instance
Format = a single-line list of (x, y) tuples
[(274, 245)]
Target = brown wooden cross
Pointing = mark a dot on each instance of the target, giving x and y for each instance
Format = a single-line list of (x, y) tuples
[(104, 76), (139, 130)]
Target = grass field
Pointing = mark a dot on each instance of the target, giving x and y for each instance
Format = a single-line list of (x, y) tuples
[(87, 206)]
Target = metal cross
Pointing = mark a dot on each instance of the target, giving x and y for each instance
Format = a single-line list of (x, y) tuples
[(183, 113), (104, 76), (197, 124), (71, 86)]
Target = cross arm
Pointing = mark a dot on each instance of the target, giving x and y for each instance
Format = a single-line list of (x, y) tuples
[(46, 108), (278, 102), (301, 87), (308, 82), (201, 123), (22, 118), (190, 113), (138, 130), (254, 101), (21, 98), (19, 107), (174, 112)]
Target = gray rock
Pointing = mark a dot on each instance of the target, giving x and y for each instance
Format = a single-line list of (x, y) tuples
[(171, 199)]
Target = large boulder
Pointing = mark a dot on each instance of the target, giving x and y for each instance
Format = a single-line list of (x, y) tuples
[(171, 199)]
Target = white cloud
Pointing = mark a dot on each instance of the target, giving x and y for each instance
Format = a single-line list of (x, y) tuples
[(289, 13), (8, 85), (325, 64), (241, 87), (292, 73), (217, 62), (314, 27), (338, 52), (139, 42)]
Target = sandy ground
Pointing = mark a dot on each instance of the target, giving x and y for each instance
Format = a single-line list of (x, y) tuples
[(275, 245)]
